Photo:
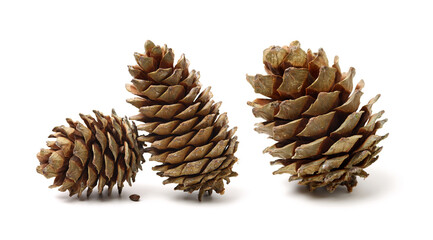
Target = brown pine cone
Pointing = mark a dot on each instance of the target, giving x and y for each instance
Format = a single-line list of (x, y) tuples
[(187, 134), (311, 112), (102, 151)]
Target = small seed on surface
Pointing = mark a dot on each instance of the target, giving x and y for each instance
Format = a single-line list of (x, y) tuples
[(134, 197)]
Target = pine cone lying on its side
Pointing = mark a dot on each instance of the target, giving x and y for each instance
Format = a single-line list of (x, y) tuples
[(188, 136), (311, 112), (102, 151)]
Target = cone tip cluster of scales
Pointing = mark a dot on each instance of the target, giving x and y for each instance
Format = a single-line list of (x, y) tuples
[(311, 110), (102, 151), (187, 135)]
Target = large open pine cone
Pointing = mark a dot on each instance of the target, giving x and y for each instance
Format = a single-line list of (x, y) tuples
[(311, 112), (187, 134), (102, 151)]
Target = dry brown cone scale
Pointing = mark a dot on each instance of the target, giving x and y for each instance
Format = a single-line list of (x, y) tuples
[(186, 132), (101, 152), (323, 140)]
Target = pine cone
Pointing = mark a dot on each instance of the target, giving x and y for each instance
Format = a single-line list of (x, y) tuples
[(187, 134), (311, 112), (103, 151)]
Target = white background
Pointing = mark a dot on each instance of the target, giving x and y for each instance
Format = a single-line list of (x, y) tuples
[(59, 59)]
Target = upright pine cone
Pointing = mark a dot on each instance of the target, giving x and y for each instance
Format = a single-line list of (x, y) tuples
[(104, 151), (187, 134), (311, 112)]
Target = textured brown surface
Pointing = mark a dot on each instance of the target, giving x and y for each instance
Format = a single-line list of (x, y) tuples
[(188, 135), (102, 151), (323, 140)]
